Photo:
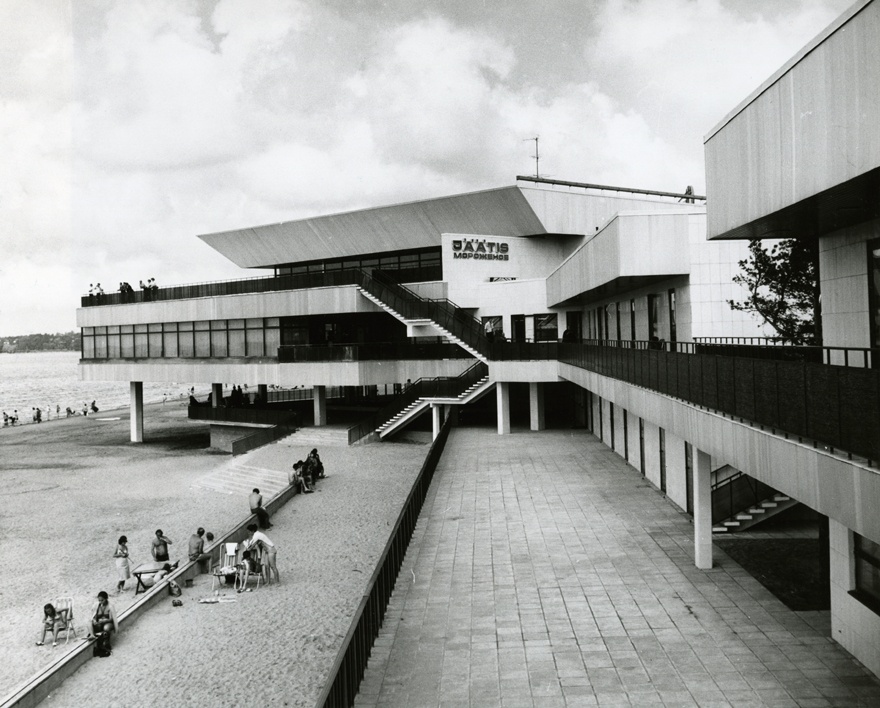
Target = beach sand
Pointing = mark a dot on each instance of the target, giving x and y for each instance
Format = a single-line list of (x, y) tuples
[(73, 487)]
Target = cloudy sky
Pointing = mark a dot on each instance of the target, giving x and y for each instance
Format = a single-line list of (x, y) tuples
[(129, 126)]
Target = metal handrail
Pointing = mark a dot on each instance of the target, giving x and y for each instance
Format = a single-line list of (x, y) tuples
[(832, 405), (343, 683), (441, 386)]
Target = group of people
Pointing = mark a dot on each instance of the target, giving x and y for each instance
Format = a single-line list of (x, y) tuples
[(149, 288), (37, 413), (258, 555), (306, 472), (96, 292)]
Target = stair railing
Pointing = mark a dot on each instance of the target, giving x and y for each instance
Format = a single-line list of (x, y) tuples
[(439, 387), (736, 493), (441, 311)]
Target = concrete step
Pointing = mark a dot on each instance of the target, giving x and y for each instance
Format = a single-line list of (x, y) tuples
[(232, 478)]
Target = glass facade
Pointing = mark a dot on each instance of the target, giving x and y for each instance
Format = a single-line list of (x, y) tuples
[(409, 266), (203, 339)]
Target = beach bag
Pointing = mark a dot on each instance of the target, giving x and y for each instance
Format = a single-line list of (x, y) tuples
[(102, 645), (174, 589)]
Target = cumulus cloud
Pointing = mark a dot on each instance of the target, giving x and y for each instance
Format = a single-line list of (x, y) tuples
[(129, 127)]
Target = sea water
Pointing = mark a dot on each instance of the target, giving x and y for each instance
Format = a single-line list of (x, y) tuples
[(50, 379)]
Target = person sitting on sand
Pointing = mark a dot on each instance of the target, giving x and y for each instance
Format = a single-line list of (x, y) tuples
[(53, 621), (103, 617), (247, 566), (255, 500)]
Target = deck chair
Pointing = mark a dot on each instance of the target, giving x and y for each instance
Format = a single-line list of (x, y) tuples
[(64, 607), (228, 560)]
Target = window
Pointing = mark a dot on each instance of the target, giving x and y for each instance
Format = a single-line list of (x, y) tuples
[(662, 460), (672, 332), (632, 320), (546, 328), (617, 307), (653, 315), (874, 296), (867, 566), (689, 477)]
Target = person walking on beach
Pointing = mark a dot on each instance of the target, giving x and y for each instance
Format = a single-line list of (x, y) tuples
[(123, 569), (159, 549), (269, 552)]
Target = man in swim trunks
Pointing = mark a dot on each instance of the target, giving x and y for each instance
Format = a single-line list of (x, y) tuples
[(159, 549)]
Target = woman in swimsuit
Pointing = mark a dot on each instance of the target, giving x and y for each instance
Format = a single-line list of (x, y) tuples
[(123, 570), (103, 616)]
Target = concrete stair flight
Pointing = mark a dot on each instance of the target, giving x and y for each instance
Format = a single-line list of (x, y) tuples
[(237, 477), (409, 321), (321, 436), (754, 515), (417, 407)]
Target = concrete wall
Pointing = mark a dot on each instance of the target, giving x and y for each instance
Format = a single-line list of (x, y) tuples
[(847, 491), (843, 270), (284, 303), (364, 373), (810, 127), (854, 626)]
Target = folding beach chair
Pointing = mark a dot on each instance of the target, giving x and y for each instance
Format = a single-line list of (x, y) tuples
[(228, 562), (64, 608)]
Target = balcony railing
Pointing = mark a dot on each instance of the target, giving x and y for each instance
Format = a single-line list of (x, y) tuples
[(835, 406), (243, 286), (373, 351), (440, 387)]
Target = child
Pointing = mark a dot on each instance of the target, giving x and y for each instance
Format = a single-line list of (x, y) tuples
[(245, 568), (53, 621)]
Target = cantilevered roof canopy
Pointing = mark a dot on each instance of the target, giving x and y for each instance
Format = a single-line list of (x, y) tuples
[(503, 211)]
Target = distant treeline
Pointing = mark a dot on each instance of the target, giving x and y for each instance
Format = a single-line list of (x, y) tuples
[(58, 342)]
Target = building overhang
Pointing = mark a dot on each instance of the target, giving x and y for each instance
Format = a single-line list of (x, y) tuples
[(848, 204)]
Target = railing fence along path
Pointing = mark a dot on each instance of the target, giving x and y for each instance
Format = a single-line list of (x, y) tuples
[(833, 405), (345, 677)]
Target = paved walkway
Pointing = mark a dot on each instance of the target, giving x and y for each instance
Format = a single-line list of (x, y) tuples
[(546, 572)]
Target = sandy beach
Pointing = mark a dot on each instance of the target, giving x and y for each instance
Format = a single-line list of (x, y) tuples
[(73, 487)]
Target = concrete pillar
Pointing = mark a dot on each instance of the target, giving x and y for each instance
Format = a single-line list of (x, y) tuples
[(502, 396), (436, 420), (536, 406), (136, 405), (320, 402), (702, 510), (263, 393), (216, 395)]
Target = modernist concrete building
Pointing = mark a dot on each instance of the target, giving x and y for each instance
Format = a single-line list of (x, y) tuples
[(606, 302)]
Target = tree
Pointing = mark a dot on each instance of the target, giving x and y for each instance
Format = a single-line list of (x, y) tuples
[(783, 289)]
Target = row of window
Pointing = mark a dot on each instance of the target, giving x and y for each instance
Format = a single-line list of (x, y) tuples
[(259, 336), (396, 261), (617, 320)]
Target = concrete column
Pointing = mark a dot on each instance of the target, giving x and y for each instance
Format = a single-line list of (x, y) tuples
[(536, 406), (702, 510), (263, 392), (320, 402), (136, 405), (502, 396), (216, 394), (436, 420)]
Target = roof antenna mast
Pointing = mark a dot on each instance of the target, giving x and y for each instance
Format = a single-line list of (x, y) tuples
[(536, 155)]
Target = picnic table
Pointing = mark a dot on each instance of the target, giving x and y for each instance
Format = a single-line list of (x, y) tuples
[(148, 569)]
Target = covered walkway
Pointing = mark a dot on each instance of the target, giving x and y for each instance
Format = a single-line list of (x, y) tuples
[(546, 572)]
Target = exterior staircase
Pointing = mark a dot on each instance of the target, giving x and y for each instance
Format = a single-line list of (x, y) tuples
[(445, 317), (755, 514), (420, 405), (236, 476), (424, 321)]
